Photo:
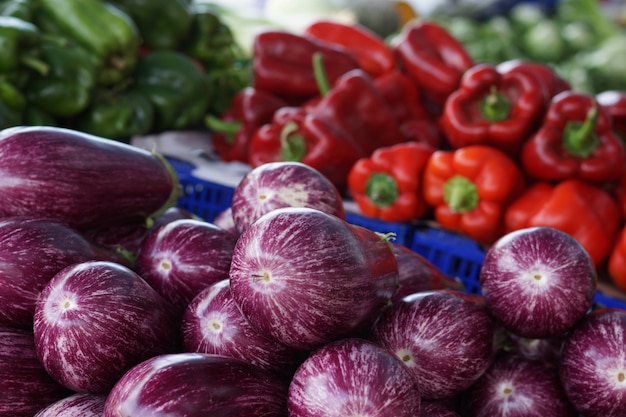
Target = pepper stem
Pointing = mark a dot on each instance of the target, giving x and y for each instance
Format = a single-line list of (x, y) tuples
[(381, 189), (460, 194), (320, 74), (495, 106), (292, 144), (579, 138), (228, 129)]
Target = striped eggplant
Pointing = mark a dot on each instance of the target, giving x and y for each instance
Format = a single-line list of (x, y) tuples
[(25, 387), (95, 320), (80, 179), (197, 385), (32, 251), (76, 405)]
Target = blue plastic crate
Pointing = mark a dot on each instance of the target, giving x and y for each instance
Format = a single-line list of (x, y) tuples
[(403, 231)]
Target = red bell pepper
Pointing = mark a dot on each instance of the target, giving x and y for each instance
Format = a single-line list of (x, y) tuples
[(433, 57), (576, 140), (470, 189), (494, 108), (387, 185), (551, 82), (616, 265), (250, 109), (614, 102), (373, 55), (282, 64), (297, 135), (584, 210)]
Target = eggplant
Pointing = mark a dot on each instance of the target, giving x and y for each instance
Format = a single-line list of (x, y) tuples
[(32, 251), (197, 385), (80, 179), (76, 405), (305, 277), (25, 386), (95, 320)]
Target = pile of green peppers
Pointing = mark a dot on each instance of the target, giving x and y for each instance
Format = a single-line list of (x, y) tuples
[(116, 68)]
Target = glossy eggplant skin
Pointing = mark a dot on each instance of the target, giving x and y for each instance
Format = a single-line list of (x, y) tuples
[(76, 405), (25, 387), (80, 179), (197, 385)]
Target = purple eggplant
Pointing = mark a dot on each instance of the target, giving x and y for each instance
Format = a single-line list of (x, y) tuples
[(25, 386), (283, 184), (181, 258), (214, 324), (517, 387), (95, 320), (447, 338), (538, 282), (32, 251), (225, 220), (437, 409), (305, 278), (593, 364), (353, 377), (197, 385), (76, 405), (80, 179)]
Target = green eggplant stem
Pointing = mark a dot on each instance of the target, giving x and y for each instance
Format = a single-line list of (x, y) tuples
[(579, 138), (228, 129), (460, 194), (292, 144), (320, 74), (495, 107), (381, 189)]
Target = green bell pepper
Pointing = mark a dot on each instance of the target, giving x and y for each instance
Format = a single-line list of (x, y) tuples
[(37, 117), (19, 46), (100, 28), (118, 115), (177, 87), (12, 105), (162, 24), (67, 88)]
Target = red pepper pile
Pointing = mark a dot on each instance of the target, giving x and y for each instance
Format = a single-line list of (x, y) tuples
[(414, 130)]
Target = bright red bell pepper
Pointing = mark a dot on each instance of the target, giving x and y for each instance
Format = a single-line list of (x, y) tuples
[(250, 109), (387, 185), (373, 55), (614, 102), (283, 64), (433, 57), (576, 140), (470, 189), (297, 135), (499, 109), (584, 210)]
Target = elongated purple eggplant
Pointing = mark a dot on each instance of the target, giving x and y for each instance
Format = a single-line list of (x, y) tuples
[(305, 278), (25, 387), (76, 405), (32, 251), (213, 323), (95, 320), (80, 179), (181, 258), (197, 385)]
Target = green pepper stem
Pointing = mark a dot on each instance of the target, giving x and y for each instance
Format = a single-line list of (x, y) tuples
[(228, 129), (495, 106), (292, 144), (320, 74), (460, 194), (381, 189), (580, 139)]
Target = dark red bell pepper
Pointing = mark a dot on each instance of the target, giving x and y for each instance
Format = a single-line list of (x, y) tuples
[(373, 55), (433, 57), (297, 135), (551, 82), (250, 109), (576, 140), (614, 102), (494, 108), (283, 64)]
